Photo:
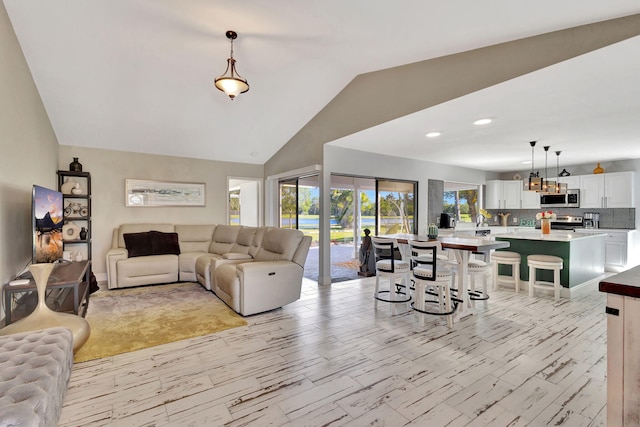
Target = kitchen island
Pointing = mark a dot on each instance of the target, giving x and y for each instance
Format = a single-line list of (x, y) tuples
[(583, 255)]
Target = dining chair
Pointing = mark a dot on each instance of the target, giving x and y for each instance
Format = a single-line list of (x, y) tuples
[(390, 265), (432, 281)]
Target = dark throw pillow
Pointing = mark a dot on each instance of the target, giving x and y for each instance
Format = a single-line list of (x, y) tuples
[(164, 243), (138, 244)]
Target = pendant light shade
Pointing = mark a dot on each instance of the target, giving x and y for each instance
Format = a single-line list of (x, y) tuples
[(231, 82)]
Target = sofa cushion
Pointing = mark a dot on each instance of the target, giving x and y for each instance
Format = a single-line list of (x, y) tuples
[(138, 244), (151, 243), (224, 237), (164, 243), (257, 240), (279, 244), (195, 238), (244, 240), (139, 228)]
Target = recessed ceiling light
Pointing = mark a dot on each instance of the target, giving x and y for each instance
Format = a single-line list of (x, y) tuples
[(481, 122), (433, 134), (526, 162)]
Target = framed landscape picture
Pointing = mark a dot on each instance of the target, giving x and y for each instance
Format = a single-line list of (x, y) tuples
[(149, 193)]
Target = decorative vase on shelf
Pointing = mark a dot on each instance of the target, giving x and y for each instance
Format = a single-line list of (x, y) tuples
[(545, 225), (598, 169), (77, 189), (432, 231), (75, 166), (83, 233), (43, 317), (68, 186)]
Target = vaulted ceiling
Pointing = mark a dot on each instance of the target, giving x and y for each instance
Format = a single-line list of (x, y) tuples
[(138, 76)]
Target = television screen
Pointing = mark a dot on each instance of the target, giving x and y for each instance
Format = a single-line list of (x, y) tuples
[(47, 218)]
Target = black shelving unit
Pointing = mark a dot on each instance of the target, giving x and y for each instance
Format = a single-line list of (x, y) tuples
[(77, 210)]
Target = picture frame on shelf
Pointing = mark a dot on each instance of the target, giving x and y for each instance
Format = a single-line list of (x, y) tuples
[(151, 193)]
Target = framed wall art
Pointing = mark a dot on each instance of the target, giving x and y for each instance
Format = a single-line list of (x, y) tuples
[(149, 193)]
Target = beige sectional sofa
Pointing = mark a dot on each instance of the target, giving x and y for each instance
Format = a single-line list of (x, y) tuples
[(252, 269)]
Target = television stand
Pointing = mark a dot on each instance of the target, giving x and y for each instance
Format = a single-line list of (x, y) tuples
[(67, 291)]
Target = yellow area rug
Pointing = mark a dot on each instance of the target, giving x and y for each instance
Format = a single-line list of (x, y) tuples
[(124, 320)]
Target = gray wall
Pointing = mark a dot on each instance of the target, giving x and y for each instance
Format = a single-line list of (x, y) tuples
[(29, 151), (109, 169), (380, 96)]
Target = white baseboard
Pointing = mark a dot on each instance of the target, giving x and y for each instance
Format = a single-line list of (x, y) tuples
[(566, 293)]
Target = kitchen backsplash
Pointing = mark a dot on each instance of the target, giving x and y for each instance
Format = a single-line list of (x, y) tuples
[(609, 218)]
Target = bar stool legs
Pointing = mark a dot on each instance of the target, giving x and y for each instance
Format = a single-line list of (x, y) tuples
[(506, 258), (478, 270), (544, 262)]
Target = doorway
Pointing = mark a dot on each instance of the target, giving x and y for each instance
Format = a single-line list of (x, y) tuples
[(383, 206), (243, 201)]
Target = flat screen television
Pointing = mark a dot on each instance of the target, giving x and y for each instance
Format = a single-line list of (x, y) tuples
[(46, 214)]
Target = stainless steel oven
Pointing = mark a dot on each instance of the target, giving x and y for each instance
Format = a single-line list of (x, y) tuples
[(570, 199)]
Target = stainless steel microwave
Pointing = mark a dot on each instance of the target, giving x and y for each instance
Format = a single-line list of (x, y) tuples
[(570, 199)]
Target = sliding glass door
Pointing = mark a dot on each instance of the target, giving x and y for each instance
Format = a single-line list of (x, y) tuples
[(300, 205), (396, 206)]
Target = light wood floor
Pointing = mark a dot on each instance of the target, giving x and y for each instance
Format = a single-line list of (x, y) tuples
[(330, 359)]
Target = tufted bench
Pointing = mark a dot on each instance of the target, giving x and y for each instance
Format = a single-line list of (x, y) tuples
[(35, 368)]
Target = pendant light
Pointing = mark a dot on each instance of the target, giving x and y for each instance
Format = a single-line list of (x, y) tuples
[(231, 82), (561, 187), (547, 185), (535, 182)]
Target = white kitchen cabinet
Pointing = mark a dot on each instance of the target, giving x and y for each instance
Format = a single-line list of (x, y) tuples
[(529, 199), (592, 191), (615, 251), (618, 190), (573, 182), (503, 194), (607, 190), (618, 248)]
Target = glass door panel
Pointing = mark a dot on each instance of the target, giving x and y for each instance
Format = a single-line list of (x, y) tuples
[(309, 207), (289, 204), (396, 207)]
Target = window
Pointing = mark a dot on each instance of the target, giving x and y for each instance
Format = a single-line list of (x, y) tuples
[(461, 201), (396, 206)]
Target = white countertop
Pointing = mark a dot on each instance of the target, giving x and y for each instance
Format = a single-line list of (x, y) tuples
[(554, 236)]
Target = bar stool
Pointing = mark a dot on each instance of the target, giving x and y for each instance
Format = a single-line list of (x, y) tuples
[(544, 262), (477, 270), (431, 279), (507, 258), (388, 266)]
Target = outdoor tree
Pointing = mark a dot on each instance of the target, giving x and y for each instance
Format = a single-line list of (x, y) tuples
[(393, 206), (471, 197), (342, 206), (288, 203), (367, 206)]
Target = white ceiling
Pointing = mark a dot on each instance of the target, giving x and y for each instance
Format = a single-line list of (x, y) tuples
[(137, 75)]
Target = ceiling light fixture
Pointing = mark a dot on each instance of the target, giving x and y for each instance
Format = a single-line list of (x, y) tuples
[(481, 122), (231, 82), (535, 182), (433, 134), (547, 186), (561, 187)]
